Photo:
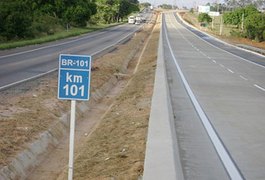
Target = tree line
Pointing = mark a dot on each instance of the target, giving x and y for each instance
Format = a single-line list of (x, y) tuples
[(21, 19), (249, 20), (246, 15)]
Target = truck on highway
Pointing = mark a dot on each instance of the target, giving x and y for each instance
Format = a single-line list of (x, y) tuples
[(138, 20), (131, 19)]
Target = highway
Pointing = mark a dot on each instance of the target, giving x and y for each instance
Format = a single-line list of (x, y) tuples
[(19, 64), (217, 94)]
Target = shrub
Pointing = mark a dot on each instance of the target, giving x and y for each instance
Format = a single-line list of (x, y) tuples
[(204, 17), (254, 26)]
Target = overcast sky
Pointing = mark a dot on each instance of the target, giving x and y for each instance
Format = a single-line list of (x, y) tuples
[(181, 3)]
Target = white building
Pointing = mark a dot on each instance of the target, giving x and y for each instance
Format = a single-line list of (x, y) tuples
[(204, 9)]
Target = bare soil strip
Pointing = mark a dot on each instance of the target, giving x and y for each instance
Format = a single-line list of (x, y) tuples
[(116, 149)]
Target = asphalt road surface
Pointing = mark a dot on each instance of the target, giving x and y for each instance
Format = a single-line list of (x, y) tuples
[(22, 63), (218, 99)]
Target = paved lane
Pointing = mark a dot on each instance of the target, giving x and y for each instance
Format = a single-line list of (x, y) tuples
[(253, 57), (231, 93), (22, 63)]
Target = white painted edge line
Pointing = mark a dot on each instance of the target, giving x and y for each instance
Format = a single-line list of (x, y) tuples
[(259, 87), (114, 44), (53, 70), (45, 47), (223, 43), (229, 164), (219, 39), (28, 79)]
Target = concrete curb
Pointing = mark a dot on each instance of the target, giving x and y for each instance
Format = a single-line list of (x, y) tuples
[(162, 157), (251, 48), (28, 158)]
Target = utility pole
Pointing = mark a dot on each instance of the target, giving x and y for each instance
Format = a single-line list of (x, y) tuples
[(242, 23), (221, 26)]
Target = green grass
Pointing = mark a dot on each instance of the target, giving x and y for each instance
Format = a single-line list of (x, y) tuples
[(216, 25), (57, 36)]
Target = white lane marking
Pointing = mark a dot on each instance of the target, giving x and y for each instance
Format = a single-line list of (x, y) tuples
[(28, 79), (222, 65), (55, 45), (259, 87), (242, 77), (46, 47), (42, 74), (203, 53), (214, 61), (230, 71), (221, 150), (246, 60)]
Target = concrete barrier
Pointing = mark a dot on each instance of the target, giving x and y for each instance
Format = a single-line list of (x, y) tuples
[(162, 155)]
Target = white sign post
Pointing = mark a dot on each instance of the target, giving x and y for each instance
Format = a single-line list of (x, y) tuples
[(73, 84), (72, 141)]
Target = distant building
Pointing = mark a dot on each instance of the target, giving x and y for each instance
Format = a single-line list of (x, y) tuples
[(214, 13), (204, 9), (262, 9)]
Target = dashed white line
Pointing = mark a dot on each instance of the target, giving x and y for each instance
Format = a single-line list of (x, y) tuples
[(242, 77), (230, 71), (225, 157), (222, 65), (203, 53), (259, 87), (214, 61)]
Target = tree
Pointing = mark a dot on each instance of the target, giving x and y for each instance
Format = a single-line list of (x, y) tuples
[(204, 17), (244, 3), (145, 4), (77, 13), (255, 26), (114, 10), (166, 6), (16, 19), (239, 14), (253, 20), (234, 18)]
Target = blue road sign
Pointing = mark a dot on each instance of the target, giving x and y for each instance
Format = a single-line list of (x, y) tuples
[(74, 77)]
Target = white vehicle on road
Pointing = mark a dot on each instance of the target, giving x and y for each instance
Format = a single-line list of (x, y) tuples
[(138, 20), (131, 19)]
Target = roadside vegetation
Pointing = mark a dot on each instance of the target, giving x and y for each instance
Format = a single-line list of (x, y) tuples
[(235, 20), (24, 22), (249, 21)]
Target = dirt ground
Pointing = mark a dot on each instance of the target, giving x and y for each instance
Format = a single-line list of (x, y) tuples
[(112, 144)]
